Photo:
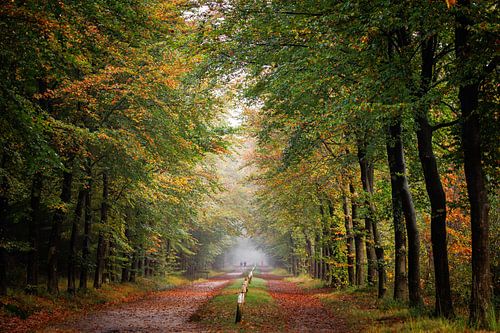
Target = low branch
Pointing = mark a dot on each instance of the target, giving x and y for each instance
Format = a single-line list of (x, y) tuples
[(447, 124), (451, 107)]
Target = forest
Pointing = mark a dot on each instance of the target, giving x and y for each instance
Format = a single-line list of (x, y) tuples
[(355, 142)]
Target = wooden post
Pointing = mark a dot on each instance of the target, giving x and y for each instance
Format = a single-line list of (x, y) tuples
[(241, 296)]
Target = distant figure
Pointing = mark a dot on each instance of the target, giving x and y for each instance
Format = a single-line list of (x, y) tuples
[(241, 263), (244, 264)]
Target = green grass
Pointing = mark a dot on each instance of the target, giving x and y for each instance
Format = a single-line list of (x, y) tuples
[(363, 312), (304, 281), (279, 272), (259, 310)]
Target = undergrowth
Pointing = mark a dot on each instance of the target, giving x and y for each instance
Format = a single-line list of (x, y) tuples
[(360, 309), (304, 281)]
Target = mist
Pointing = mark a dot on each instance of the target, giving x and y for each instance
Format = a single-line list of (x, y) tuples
[(243, 251)]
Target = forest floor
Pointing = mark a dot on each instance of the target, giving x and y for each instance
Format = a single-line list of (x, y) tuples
[(273, 304), (304, 310), (164, 311)]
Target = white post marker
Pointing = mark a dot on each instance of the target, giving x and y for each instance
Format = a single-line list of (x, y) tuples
[(241, 295), (241, 298)]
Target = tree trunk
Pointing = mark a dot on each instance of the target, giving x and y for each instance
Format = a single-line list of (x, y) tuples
[(481, 307), (99, 267), (125, 273), (379, 252), (319, 259), (34, 235), (109, 273), (72, 257), (328, 235), (102, 241), (126, 266), (434, 188), (4, 208), (400, 275), (309, 257), (358, 238), (349, 237), (55, 235), (366, 173), (140, 263), (398, 179), (133, 267), (84, 269), (145, 265)]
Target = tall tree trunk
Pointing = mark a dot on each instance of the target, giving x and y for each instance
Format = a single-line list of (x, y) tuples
[(72, 257), (319, 260), (84, 269), (126, 266), (366, 171), (481, 307), (379, 252), (309, 256), (34, 234), (327, 239), (140, 263), (4, 208), (102, 241), (349, 237), (392, 143), (434, 187), (358, 238), (109, 273), (397, 168), (400, 274), (55, 235), (134, 266)]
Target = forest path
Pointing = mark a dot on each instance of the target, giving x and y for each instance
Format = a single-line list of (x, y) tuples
[(164, 311), (302, 310)]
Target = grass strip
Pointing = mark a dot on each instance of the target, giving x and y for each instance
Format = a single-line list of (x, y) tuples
[(260, 312)]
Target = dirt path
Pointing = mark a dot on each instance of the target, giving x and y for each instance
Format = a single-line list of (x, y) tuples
[(303, 312), (166, 311)]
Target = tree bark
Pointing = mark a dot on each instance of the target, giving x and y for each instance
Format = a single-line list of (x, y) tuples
[(72, 257), (400, 274), (318, 255), (34, 234), (366, 175), (397, 169), (367, 172), (435, 192), (84, 269), (126, 266), (358, 238), (55, 235), (481, 307), (4, 209), (349, 237), (102, 241), (134, 266)]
